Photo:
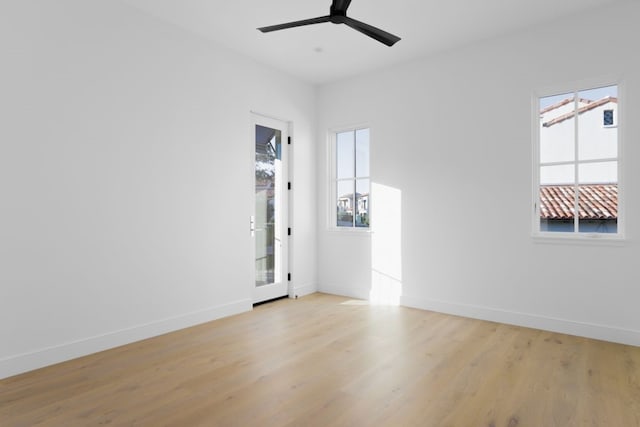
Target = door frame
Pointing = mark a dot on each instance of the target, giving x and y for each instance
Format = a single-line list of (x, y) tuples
[(279, 289)]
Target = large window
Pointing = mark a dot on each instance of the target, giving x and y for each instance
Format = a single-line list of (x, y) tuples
[(578, 163), (351, 181)]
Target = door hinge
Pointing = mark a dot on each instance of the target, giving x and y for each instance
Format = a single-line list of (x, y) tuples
[(288, 277), (289, 231), (289, 185), (288, 140)]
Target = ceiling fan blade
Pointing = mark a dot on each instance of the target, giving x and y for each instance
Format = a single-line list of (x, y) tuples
[(340, 6), (311, 21), (371, 31)]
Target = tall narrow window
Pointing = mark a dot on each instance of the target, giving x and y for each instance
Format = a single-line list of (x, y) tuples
[(578, 162), (351, 181)]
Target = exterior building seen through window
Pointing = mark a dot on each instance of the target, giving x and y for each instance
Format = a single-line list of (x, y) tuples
[(351, 181), (578, 162)]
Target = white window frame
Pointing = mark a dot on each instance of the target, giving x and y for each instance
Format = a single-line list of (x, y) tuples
[(332, 180), (576, 236)]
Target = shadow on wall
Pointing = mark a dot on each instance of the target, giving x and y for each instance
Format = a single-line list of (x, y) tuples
[(386, 245)]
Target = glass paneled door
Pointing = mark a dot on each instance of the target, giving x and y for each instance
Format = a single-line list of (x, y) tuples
[(269, 219)]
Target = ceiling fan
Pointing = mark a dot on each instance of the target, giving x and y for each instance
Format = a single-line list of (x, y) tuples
[(338, 15)]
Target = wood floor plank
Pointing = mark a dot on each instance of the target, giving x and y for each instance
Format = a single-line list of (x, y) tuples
[(324, 360)]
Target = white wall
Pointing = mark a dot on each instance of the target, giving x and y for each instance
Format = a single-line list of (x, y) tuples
[(451, 139), (125, 178)]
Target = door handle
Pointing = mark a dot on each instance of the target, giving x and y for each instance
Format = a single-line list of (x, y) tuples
[(252, 225)]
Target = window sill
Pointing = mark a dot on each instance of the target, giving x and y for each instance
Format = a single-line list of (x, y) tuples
[(354, 231), (586, 239)]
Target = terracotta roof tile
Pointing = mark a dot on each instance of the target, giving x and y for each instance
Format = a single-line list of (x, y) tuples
[(581, 110), (562, 103), (599, 201)]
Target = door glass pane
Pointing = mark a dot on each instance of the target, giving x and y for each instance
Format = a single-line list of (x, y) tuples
[(557, 128), (344, 204), (345, 161), (362, 203), (597, 124), (268, 193)]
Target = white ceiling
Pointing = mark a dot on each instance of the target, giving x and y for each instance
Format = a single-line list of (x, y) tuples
[(326, 52)]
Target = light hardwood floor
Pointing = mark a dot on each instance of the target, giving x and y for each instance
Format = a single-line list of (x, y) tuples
[(324, 360)]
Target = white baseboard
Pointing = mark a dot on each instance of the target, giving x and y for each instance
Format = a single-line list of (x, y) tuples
[(359, 293), (302, 290), (564, 326), (25, 362)]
